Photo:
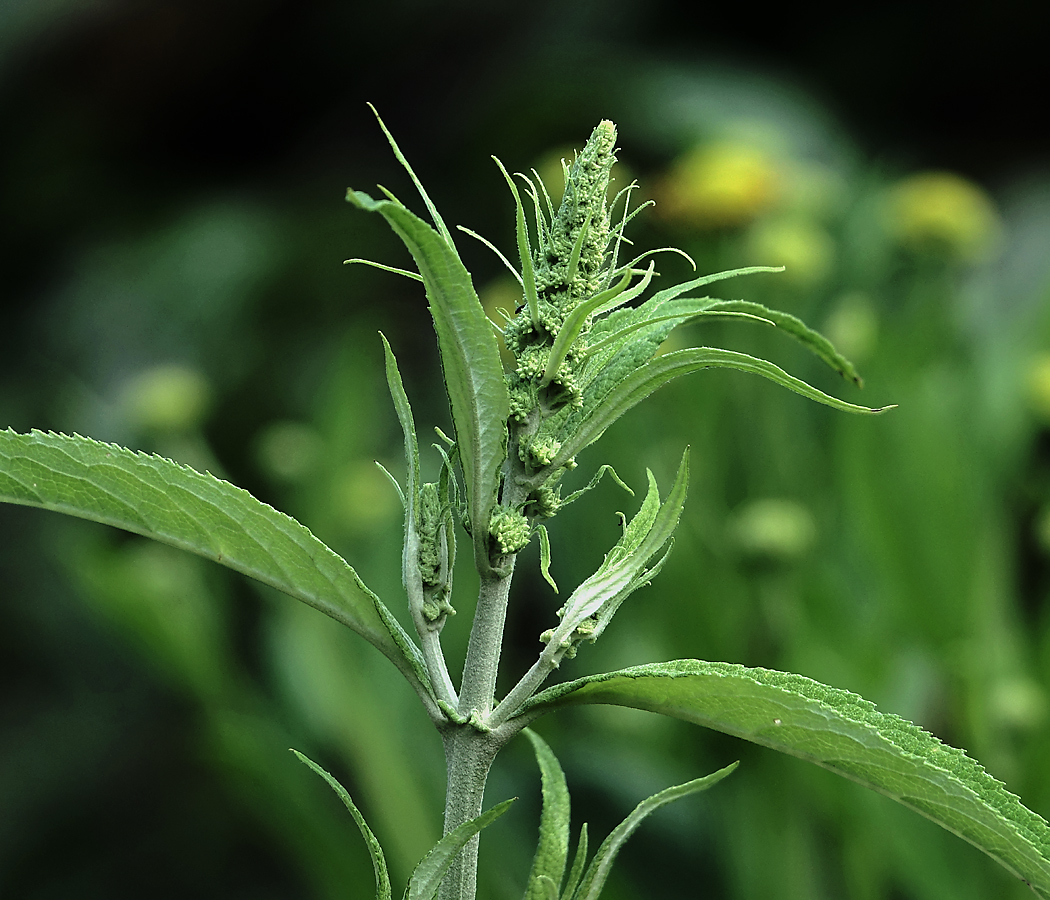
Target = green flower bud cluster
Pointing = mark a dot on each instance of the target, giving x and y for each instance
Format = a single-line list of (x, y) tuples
[(429, 522), (433, 554), (510, 530), (539, 452), (544, 502), (570, 265), (585, 631)]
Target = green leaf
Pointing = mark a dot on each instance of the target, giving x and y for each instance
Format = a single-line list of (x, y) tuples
[(593, 483), (552, 850), (393, 269), (426, 879), (578, 862), (410, 561), (839, 731), (816, 342), (434, 214), (176, 505), (598, 871), (577, 318), (548, 889), (639, 384), (470, 360), (545, 556), (617, 337), (577, 248), (528, 274), (679, 289), (615, 356), (623, 570), (376, 851)]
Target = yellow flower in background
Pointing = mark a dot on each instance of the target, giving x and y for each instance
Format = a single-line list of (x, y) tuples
[(944, 212), (719, 185), (805, 249)]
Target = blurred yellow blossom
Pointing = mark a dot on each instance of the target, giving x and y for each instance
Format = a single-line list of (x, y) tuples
[(944, 212), (719, 185)]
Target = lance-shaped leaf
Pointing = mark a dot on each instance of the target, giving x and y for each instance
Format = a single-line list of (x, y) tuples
[(701, 310), (401, 158), (598, 871), (813, 340), (839, 731), (592, 605), (426, 878), (410, 557), (176, 505), (581, 432), (528, 275), (578, 862), (623, 569), (374, 849), (642, 330), (470, 360), (552, 850)]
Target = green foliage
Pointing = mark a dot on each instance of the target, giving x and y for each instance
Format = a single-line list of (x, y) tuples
[(584, 353), (469, 356), (548, 866), (426, 879), (839, 731), (598, 871), (552, 849), (171, 503), (374, 850)]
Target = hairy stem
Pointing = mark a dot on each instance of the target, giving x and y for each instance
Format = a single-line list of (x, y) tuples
[(486, 633), (434, 657), (468, 754), (486, 642), (470, 745)]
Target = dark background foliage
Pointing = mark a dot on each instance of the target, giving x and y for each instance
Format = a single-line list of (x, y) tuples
[(171, 232)]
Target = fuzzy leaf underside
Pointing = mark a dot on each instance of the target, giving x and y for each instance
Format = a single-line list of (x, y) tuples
[(470, 359), (176, 505), (598, 414), (552, 850), (841, 732)]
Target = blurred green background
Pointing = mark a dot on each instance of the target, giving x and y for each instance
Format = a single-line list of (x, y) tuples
[(172, 231)]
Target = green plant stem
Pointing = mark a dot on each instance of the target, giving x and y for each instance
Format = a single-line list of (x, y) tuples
[(530, 682), (468, 754), (486, 640), (430, 639), (486, 634), (429, 636), (471, 745)]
